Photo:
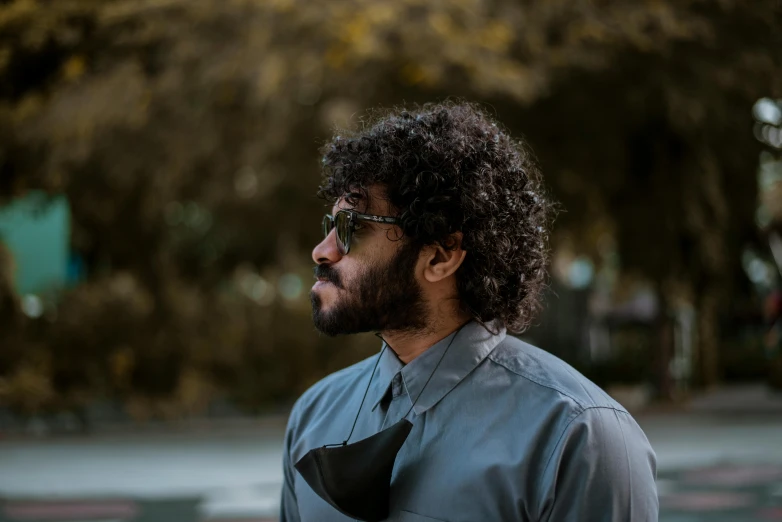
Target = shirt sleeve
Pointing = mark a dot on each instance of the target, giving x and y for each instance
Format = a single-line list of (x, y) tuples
[(603, 469), (289, 508)]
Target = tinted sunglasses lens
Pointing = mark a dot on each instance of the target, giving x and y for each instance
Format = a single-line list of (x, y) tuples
[(342, 222), (327, 224)]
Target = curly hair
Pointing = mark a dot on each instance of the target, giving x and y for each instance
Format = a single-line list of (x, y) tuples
[(450, 167)]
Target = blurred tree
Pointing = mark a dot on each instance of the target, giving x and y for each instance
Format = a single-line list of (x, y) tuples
[(185, 134)]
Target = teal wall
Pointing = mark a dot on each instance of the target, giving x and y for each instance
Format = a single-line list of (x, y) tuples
[(37, 233)]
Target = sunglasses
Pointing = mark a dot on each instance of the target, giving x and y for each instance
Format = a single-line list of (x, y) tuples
[(345, 222)]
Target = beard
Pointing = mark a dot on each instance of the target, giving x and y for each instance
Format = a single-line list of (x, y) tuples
[(382, 298)]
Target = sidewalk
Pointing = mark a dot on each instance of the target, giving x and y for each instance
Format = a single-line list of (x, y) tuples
[(745, 399), (232, 470)]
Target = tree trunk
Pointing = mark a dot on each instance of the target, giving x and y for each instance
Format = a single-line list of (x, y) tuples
[(709, 218), (707, 363)]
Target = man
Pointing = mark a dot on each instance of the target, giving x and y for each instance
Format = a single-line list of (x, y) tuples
[(437, 240)]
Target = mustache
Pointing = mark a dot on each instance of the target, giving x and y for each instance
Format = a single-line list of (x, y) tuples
[(329, 274)]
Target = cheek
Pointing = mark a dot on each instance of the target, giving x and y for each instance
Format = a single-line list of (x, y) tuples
[(356, 273), (350, 270), (373, 251), (381, 249)]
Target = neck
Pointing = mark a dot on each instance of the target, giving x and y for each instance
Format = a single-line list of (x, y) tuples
[(410, 344)]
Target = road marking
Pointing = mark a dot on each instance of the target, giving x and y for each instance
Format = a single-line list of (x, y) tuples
[(108, 510)]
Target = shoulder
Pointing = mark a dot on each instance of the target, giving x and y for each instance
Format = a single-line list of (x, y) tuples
[(592, 447), (602, 461), (549, 376)]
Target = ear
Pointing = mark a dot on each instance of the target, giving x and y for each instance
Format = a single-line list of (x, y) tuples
[(440, 262)]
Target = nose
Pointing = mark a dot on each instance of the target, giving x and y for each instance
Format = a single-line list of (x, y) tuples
[(326, 251)]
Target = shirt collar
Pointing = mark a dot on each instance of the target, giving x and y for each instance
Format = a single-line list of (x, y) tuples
[(388, 366), (471, 345)]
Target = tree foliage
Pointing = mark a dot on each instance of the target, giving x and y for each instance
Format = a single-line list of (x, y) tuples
[(185, 133)]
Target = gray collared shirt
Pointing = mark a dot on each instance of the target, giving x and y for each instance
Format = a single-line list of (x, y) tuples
[(503, 431)]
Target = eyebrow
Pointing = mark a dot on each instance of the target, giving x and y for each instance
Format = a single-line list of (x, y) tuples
[(352, 199)]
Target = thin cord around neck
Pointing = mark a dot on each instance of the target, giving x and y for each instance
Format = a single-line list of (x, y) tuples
[(435, 370), (371, 376)]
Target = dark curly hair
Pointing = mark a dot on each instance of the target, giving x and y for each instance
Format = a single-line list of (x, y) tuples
[(449, 167)]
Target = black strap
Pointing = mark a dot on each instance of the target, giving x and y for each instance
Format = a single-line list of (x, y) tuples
[(372, 375)]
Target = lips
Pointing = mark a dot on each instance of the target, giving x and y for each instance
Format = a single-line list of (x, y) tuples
[(325, 274), (321, 283)]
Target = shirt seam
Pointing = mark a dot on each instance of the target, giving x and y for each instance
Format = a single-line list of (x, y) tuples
[(569, 370), (570, 420), (565, 430), (578, 402), (627, 467)]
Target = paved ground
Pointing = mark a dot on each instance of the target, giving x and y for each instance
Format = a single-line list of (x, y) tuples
[(722, 493), (713, 466)]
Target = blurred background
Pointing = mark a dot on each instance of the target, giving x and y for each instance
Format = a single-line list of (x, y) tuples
[(158, 165)]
